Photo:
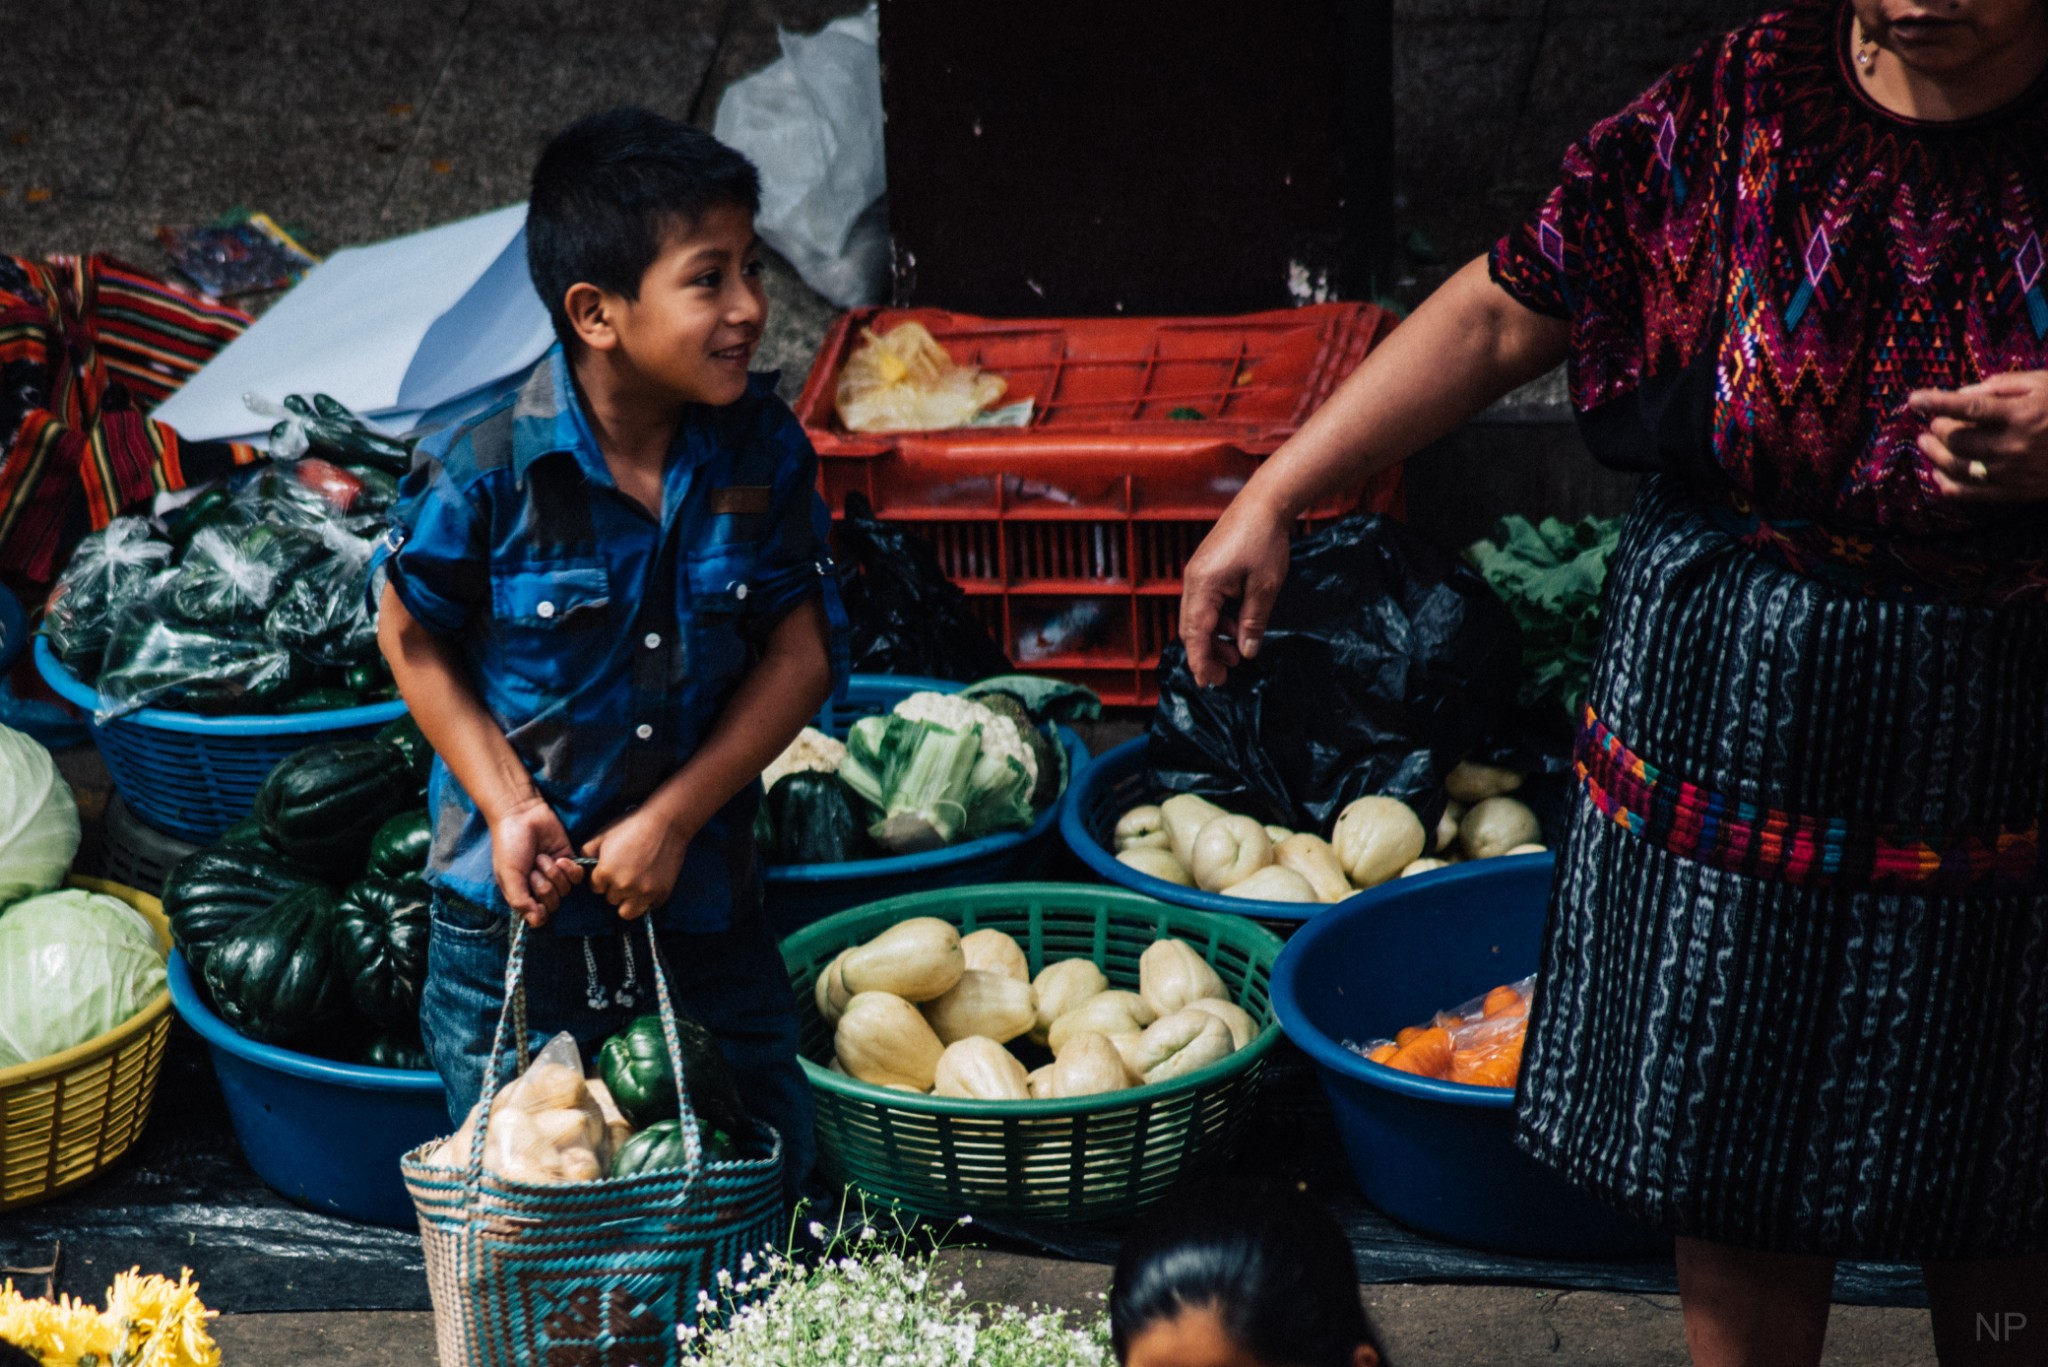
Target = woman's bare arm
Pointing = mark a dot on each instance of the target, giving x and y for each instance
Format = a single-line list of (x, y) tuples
[(1468, 344)]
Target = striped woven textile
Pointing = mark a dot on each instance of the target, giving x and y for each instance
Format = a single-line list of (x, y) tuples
[(1745, 837), (87, 345), (1772, 1037)]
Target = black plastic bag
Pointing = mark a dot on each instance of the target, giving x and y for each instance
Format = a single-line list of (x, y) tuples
[(1386, 662), (905, 615)]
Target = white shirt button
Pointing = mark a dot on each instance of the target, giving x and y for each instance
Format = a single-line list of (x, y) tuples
[(544, 611), (739, 591), (652, 640), (644, 731)]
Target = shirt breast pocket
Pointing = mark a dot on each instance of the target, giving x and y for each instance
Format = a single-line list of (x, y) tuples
[(720, 581), (553, 621)]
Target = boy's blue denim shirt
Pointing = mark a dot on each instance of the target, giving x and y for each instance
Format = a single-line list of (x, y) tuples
[(604, 644)]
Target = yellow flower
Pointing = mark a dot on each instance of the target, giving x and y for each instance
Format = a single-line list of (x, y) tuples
[(166, 1316), (149, 1322), (70, 1333)]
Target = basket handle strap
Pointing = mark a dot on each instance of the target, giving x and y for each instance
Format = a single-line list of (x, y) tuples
[(511, 1021), (686, 1114)]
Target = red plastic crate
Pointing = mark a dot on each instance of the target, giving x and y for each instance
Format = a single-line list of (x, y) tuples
[(1070, 535)]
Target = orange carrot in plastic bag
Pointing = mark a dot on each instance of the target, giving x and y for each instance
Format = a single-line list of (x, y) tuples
[(1428, 1055), (1479, 1044)]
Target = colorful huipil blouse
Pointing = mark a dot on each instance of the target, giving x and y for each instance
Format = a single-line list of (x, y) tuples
[(1760, 264)]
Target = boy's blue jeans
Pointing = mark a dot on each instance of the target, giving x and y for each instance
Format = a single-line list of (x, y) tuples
[(732, 982)]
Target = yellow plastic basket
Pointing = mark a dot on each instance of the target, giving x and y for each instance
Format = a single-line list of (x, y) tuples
[(66, 1118)]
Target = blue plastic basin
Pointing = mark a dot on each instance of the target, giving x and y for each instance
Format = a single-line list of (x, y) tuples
[(326, 1135), (799, 894), (193, 776), (1113, 785), (1436, 1155)]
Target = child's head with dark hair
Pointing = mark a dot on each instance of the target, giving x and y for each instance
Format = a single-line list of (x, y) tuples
[(611, 190), (1240, 1275)]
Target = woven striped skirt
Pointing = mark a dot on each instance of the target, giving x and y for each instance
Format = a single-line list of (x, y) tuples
[(1794, 987)]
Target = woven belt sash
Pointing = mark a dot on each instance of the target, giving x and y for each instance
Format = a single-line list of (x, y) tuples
[(1765, 842)]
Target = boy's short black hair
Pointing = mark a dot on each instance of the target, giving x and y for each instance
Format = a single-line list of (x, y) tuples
[(610, 188)]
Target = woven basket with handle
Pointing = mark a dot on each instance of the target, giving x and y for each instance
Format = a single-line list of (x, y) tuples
[(588, 1274)]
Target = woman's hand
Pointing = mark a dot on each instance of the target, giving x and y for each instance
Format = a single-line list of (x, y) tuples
[(1464, 347), (1988, 442), (1242, 559), (533, 860), (639, 857)]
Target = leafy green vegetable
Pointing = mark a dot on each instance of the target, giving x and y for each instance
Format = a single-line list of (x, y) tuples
[(39, 831), (73, 965), (940, 767), (1047, 700), (1551, 576)]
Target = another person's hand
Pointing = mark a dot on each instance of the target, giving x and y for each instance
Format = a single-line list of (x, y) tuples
[(639, 857), (533, 860), (1988, 442), (1243, 559)]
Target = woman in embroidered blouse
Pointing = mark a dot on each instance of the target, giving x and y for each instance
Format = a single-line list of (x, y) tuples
[(1794, 1002)]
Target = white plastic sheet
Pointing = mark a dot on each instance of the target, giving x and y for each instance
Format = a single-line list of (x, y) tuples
[(392, 330), (812, 123)]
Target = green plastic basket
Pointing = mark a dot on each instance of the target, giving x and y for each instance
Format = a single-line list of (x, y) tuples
[(1080, 1160)]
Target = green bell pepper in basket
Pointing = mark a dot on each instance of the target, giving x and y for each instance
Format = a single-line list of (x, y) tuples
[(635, 1066), (660, 1145)]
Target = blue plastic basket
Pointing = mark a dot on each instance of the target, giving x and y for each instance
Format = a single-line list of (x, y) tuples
[(1437, 1155), (798, 894), (326, 1135), (193, 776), (1113, 785)]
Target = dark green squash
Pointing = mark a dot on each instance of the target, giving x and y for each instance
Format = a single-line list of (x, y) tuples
[(322, 806), (399, 848), (245, 834), (404, 736), (660, 1146), (382, 949), (635, 1066), (399, 1049), (276, 976), (812, 821), (211, 892)]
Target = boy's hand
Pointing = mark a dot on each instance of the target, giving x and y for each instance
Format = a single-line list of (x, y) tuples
[(639, 857), (533, 860)]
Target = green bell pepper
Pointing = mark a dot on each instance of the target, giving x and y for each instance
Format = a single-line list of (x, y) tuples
[(635, 1066), (660, 1146)]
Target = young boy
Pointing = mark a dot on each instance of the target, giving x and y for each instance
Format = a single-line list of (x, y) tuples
[(609, 605)]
